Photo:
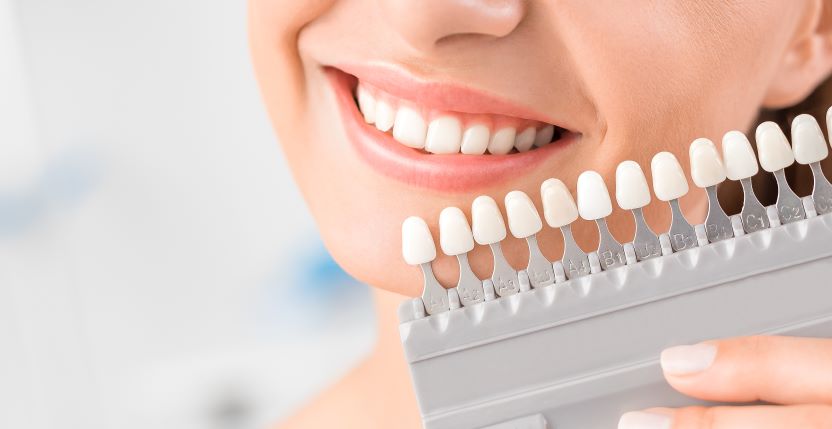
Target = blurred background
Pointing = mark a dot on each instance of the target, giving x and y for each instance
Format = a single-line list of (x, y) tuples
[(158, 268)]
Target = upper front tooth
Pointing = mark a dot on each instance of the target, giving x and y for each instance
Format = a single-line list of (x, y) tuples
[(367, 105), (593, 197), (544, 135), (706, 167), (455, 237), (409, 128), (444, 135), (417, 242), (740, 161), (631, 190), (807, 140), (475, 140), (669, 182), (773, 147), (525, 139), (385, 116), (502, 141), (558, 205), (523, 219)]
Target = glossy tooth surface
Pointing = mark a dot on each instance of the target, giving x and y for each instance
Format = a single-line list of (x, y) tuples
[(559, 207), (475, 140), (523, 219), (738, 156), (409, 128), (706, 167), (525, 140), (417, 243), (455, 237), (367, 105), (807, 140), (669, 182), (502, 141), (773, 148), (487, 221), (444, 135), (593, 197), (631, 189), (385, 116), (544, 135)]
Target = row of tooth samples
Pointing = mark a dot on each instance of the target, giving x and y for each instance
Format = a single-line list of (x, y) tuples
[(737, 162)]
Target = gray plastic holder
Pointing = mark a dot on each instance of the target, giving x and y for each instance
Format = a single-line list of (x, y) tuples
[(579, 353)]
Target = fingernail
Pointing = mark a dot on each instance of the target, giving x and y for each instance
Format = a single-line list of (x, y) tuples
[(645, 420), (683, 360)]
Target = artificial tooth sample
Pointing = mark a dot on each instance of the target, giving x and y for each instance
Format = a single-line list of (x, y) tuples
[(524, 222), (741, 164), (502, 141), (670, 184), (707, 171), (544, 135), (775, 155), (444, 135), (594, 203), (456, 239), (525, 140), (810, 148), (419, 249), (475, 140), (632, 193), (409, 128), (490, 230), (560, 211)]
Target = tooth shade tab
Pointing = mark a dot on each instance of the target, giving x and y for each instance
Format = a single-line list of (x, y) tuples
[(773, 147), (455, 237), (409, 128), (444, 135), (706, 167), (559, 207), (738, 156), (631, 188), (669, 182), (593, 197), (475, 140), (502, 141), (808, 142), (487, 221), (523, 219), (417, 242)]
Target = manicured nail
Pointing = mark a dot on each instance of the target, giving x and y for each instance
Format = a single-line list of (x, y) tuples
[(645, 420), (683, 360)]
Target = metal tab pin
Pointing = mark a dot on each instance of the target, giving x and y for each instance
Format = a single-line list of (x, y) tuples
[(810, 148), (489, 230), (632, 193), (456, 239), (707, 171), (419, 249), (594, 203), (560, 211), (525, 222), (670, 184), (775, 155), (741, 164)]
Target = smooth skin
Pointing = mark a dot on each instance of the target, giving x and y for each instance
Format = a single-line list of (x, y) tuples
[(635, 77)]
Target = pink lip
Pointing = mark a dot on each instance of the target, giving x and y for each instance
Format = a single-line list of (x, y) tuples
[(447, 173)]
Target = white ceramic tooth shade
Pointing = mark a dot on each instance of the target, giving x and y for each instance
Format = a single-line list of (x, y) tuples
[(631, 188), (559, 207), (808, 142), (487, 221), (417, 242), (455, 236), (706, 167), (738, 156), (669, 182), (773, 147), (593, 197), (523, 219)]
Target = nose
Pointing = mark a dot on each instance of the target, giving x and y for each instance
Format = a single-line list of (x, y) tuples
[(424, 24)]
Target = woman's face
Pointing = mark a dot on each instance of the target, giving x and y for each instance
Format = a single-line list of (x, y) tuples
[(619, 80)]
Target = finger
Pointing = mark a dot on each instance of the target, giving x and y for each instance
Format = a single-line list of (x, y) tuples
[(784, 370), (762, 417)]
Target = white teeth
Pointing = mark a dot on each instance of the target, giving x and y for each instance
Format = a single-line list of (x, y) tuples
[(409, 128), (631, 189), (544, 135), (593, 197), (740, 161), (367, 105), (524, 141), (475, 140), (807, 140), (559, 207), (773, 147), (487, 221), (417, 243), (385, 116), (444, 135), (523, 219), (455, 237), (669, 182), (502, 141), (706, 167)]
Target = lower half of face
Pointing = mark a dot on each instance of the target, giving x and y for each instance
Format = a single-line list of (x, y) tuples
[(392, 108)]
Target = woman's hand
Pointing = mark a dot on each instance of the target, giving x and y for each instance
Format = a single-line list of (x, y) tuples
[(795, 373)]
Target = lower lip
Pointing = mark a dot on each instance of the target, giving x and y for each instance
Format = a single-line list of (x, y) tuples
[(447, 173)]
